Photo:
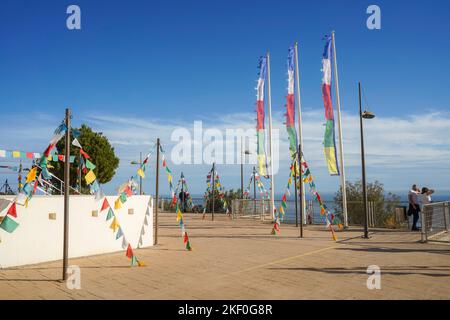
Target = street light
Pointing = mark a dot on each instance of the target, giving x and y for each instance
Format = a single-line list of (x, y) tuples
[(364, 115), (140, 164), (246, 152)]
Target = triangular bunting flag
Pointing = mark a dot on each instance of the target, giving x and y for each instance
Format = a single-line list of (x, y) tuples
[(123, 197), (31, 175), (114, 225), (119, 233), (134, 261), (90, 165), (85, 155), (8, 224), (12, 211), (124, 243), (76, 143), (141, 173), (90, 177), (117, 204), (145, 221), (188, 246), (141, 264), (110, 214), (105, 205), (129, 253)]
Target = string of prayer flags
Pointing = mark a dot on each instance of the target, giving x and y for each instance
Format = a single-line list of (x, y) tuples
[(180, 219), (144, 224), (218, 187), (330, 218)]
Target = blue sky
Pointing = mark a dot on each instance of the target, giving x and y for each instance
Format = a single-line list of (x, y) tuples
[(163, 64)]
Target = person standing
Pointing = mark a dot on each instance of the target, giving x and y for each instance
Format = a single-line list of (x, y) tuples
[(414, 206)]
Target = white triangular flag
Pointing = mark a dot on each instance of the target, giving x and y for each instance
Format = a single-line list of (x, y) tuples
[(142, 231), (99, 195), (145, 221), (124, 243), (76, 143), (147, 213), (141, 242)]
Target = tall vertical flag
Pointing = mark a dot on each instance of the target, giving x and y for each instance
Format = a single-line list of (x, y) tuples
[(260, 114), (290, 104), (330, 139)]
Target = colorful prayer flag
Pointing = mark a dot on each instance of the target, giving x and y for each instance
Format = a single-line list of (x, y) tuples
[(8, 224), (329, 139)]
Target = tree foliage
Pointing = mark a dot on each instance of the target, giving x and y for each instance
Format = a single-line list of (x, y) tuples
[(383, 203), (101, 154)]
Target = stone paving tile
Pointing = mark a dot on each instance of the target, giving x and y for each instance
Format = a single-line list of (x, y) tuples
[(237, 259)]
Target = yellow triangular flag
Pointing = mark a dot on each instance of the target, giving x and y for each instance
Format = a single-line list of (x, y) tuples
[(141, 173), (117, 204), (114, 225), (31, 175), (26, 203), (141, 264), (90, 177), (179, 215)]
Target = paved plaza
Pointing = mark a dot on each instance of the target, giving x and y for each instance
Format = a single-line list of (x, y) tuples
[(240, 259)]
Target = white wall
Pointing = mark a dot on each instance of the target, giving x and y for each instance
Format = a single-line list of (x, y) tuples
[(39, 239)]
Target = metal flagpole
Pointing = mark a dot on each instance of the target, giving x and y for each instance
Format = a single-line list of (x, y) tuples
[(158, 147), (300, 130), (213, 189), (66, 196), (341, 142), (272, 184)]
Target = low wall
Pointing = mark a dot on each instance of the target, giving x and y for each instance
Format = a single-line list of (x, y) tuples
[(39, 238)]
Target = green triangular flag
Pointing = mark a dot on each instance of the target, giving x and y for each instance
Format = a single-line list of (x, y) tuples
[(123, 197), (188, 246), (90, 165), (8, 224), (134, 261), (110, 214)]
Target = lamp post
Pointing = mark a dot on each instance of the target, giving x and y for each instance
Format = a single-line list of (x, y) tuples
[(246, 152), (140, 178), (364, 115)]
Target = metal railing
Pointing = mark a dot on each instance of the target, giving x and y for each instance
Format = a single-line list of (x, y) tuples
[(435, 222), (251, 209)]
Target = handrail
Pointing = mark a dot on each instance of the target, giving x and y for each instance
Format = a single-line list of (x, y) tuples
[(61, 190)]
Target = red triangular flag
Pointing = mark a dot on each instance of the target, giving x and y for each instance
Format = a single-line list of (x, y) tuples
[(129, 252), (12, 210), (128, 191), (105, 205), (85, 155), (186, 238)]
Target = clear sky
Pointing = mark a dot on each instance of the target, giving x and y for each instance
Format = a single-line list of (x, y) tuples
[(138, 69)]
